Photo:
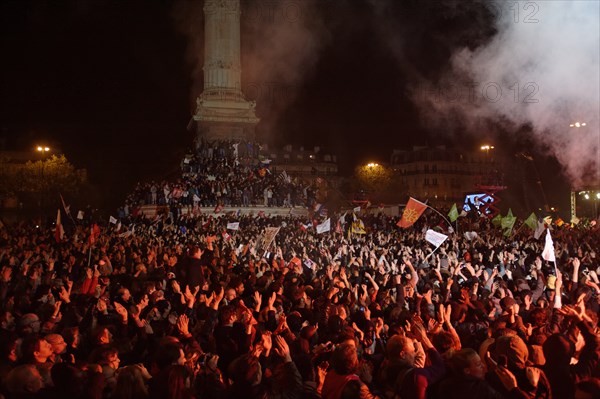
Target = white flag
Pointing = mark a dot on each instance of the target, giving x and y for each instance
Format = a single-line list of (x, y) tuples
[(356, 210), (112, 220), (233, 226), (435, 238), (324, 227), (471, 235), (80, 215), (548, 253)]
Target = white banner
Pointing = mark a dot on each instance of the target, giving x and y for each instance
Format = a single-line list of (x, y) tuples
[(233, 226), (435, 238), (324, 227)]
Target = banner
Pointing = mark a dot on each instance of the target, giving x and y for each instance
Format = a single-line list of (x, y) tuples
[(269, 236), (435, 238), (324, 227), (233, 226), (412, 212)]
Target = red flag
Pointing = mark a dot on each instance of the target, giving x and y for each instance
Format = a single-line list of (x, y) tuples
[(219, 208), (207, 224), (226, 236), (338, 228), (413, 210), (66, 207), (94, 233), (59, 233)]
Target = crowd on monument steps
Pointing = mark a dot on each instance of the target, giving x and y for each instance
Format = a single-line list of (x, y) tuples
[(223, 173)]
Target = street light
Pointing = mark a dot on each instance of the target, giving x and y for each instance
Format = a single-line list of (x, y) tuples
[(43, 150), (372, 165), (577, 124)]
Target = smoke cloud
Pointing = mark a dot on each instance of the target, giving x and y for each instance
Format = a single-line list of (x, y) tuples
[(280, 45), (540, 70)]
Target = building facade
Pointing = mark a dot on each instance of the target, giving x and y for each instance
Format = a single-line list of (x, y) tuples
[(444, 176)]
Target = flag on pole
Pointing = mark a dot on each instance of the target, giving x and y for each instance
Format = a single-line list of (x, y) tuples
[(497, 221), (218, 208), (453, 214), (574, 220), (413, 210), (112, 220), (94, 233), (233, 226), (59, 233), (508, 221), (435, 238), (548, 252), (66, 207), (559, 222), (358, 227), (356, 210), (226, 236), (324, 227), (531, 221), (80, 215), (305, 227)]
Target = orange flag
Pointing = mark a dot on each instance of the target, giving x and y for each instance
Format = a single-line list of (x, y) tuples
[(413, 211)]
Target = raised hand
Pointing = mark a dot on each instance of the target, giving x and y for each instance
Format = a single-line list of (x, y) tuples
[(183, 325), (282, 349)]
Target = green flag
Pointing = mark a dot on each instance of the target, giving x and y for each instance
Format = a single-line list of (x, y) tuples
[(508, 221), (497, 221), (531, 221), (453, 214)]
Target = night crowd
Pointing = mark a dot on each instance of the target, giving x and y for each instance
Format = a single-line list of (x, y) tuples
[(193, 310), (225, 173)]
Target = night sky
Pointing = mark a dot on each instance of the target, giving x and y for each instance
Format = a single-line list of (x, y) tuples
[(112, 82)]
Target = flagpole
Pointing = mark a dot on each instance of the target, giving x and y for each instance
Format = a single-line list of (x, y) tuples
[(438, 212), (436, 248), (519, 229)]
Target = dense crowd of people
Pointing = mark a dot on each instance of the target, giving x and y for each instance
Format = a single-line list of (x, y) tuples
[(227, 173), (192, 309)]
